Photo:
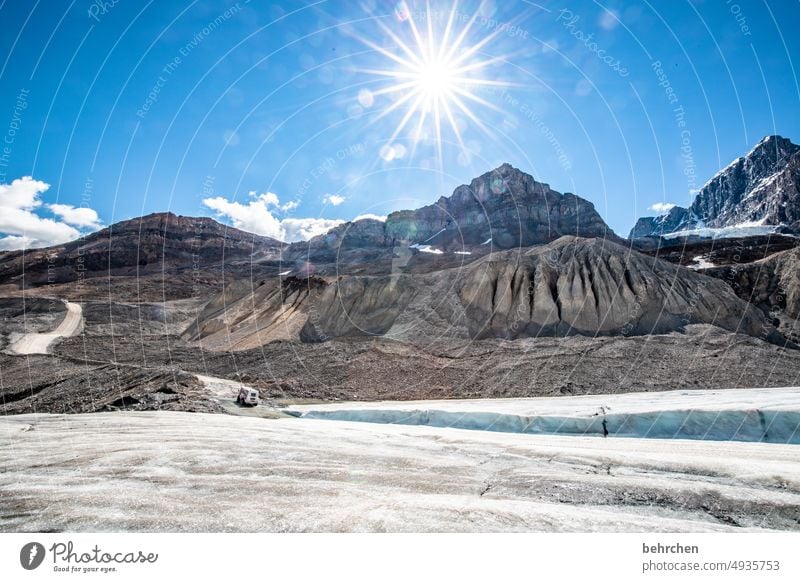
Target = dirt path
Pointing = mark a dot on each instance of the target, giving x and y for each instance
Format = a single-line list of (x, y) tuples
[(224, 392), (39, 343)]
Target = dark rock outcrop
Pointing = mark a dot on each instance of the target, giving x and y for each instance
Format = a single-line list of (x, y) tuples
[(715, 252), (676, 219), (156, 243), (771, 284)]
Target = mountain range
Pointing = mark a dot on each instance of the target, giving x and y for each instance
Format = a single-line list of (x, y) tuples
[(409, 305)]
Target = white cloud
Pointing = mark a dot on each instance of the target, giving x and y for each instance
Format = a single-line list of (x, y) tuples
[(22, 193), (22, 227), (291, 205), (333, 199), (379, 217), (256, 216), (81, 217), (662, 207), (608, 20), (268, 198), (305, 228), (12, 243)]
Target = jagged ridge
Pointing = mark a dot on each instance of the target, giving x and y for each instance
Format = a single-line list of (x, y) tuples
[(761, 187)]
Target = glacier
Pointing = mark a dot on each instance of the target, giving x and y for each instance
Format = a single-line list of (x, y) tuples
[(757, 415), (193, 472)]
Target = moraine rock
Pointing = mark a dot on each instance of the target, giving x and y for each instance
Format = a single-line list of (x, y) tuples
[(772, 284), (572, 286), (580, 287)]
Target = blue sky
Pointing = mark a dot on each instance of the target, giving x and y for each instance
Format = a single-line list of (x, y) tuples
[(270, 116)]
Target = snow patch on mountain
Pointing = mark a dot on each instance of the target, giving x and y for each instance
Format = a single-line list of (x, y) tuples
[(426, 249), (753, 228)]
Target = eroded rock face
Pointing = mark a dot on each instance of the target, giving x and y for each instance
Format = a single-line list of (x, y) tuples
[(762, 186), (572, 286), (359, 306), (250, 313), (772, 284), (595, 287)]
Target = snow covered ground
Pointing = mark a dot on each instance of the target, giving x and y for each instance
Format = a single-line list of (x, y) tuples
[(426, 249), (173, 471), (700, 262), (762, 414)]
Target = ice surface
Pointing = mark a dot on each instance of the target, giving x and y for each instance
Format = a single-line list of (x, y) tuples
[(173, 471)]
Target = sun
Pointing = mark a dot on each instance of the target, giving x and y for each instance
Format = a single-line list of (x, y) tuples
[(435, 80), (435, 75)]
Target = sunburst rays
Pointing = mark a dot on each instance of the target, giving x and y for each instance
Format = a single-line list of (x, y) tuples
[(434, 74)]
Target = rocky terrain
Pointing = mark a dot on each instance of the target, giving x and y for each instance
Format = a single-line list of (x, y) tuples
[(32, 314), (91, 373), (569, 287), (697, 252), (505, 289), (761, 188), (759, 269)]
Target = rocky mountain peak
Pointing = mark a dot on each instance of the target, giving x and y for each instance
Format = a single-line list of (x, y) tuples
[(503, 172), (774, 146), (504, 206), (503, 180), (762, 187), (750, 189), (159, 242)]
